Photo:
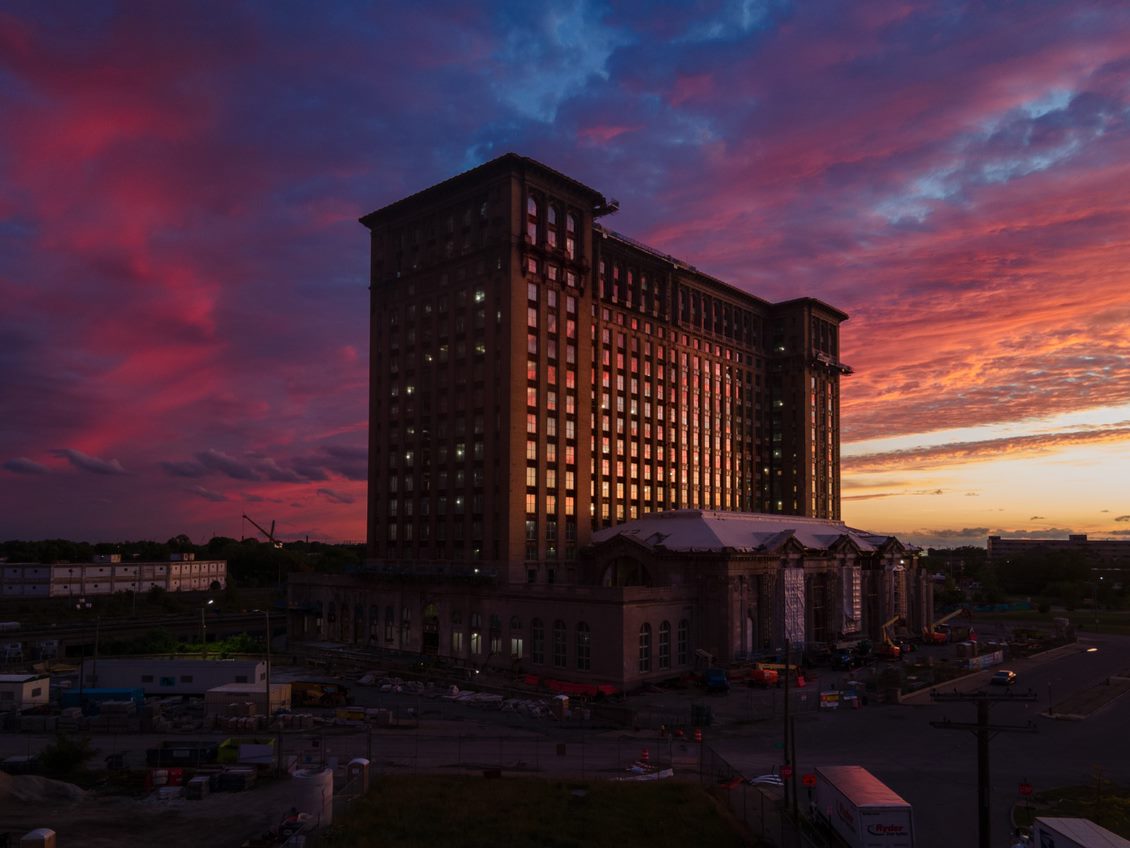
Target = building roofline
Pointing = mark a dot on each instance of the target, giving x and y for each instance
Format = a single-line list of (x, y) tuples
[(812, 301), (678, 263), (498, 165)]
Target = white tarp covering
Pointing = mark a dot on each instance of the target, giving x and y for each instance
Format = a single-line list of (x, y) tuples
[(853, 598), (898, 590), (794, 605)]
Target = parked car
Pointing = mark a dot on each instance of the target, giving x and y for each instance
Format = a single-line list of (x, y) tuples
[(1003, 678)]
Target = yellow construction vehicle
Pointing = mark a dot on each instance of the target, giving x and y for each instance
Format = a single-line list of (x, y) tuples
[(307, 693)]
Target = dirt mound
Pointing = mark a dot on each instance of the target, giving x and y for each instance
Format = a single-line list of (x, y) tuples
[(30, 788)]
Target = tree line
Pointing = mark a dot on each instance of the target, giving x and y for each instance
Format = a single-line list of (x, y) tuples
[(251, 563)]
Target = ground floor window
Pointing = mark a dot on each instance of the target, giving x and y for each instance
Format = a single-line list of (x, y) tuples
[(537, 641), (457, 643), (584, 647), (645, 648), (559, 648)]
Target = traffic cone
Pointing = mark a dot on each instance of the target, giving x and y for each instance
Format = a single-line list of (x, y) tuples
[(698, 734), (645, 756)]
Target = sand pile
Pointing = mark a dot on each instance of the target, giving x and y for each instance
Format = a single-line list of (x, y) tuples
[(31, 788)]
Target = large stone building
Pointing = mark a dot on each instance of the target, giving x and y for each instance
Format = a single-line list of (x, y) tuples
[(544, 390)]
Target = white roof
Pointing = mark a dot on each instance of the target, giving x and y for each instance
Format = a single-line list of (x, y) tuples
[(1084, 831), (244, 688), (21, 678), (747, 532)]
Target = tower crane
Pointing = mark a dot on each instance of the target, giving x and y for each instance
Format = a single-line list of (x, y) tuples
[(270, 535)]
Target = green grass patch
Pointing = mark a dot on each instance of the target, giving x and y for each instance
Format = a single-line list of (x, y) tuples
[(1108, 805), (517, 812), (1085, 620)]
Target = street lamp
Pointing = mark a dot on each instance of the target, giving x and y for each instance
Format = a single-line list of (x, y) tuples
[(204, 630)]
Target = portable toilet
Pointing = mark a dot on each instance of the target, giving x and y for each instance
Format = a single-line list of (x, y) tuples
[(41, 837), (358, 770)]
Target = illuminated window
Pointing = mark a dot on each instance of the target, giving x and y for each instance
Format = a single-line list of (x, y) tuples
[(532, 219), (551, 227)]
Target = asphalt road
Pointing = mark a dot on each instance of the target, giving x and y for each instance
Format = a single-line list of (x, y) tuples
[(934, 769)]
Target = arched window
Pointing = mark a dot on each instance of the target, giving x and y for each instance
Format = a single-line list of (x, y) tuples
[(584, 647), (537, 641), (551, 227), (374, 622), (645, 648), (532, 219), (684, 642), (559, 647), (664, 646)]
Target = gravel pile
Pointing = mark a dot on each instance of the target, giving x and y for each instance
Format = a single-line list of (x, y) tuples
[(31, 788)]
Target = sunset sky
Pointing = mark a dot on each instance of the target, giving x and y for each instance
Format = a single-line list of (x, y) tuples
[(183, 322)]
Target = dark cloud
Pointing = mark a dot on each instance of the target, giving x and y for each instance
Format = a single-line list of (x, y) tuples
[(959, 452), (336, 497), (963, 533), (1121, 517), (208, 494), (23, 465), (1046, 533), (184, 469), (348, 462), (218, 461), (92, 464)]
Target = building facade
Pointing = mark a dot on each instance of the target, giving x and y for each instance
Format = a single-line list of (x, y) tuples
[(107, 575), (538, 380)]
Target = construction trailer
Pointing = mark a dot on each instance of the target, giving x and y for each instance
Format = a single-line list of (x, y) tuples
[(159, 676), (21, 691)]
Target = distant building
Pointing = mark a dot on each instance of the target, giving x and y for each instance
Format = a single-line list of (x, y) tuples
[(107, 574), (589, 460), (1113, 553), (1109, 559)]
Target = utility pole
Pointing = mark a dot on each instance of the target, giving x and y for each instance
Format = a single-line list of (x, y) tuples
[(984, 731)]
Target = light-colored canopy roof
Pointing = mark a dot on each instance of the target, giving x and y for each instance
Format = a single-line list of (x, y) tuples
[(748, 532)]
